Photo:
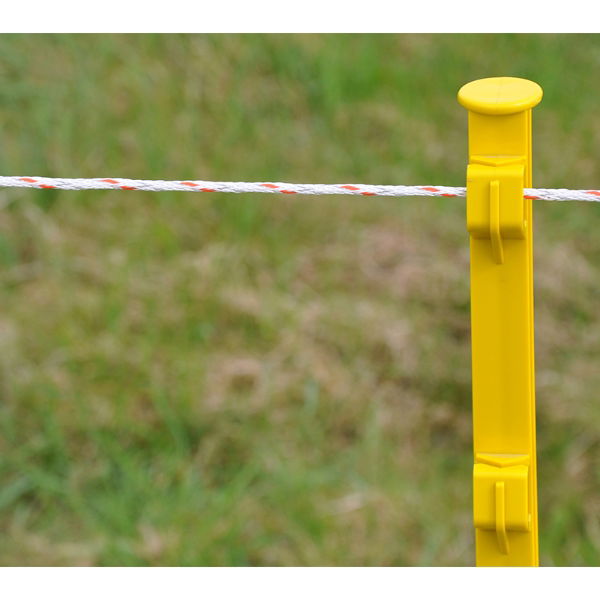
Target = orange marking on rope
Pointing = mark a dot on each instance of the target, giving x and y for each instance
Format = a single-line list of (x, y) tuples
[(368, 193), (270, 185), (430, 189), (42, 185), (28, 179), (190, 183), (532, 197), (207, 190), (127, 187), (449, 195), (593, 192), (109, 180), (350, 187), (288, 192)]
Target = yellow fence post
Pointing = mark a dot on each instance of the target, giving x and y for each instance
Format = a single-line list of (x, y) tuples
[(500, 228)]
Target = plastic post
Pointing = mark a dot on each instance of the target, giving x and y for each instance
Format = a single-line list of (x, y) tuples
[(500, 227)]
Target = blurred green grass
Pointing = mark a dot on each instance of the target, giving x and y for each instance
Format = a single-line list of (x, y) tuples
[(213, 380)]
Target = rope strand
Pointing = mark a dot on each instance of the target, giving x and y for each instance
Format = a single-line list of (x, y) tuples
[(239, 187)]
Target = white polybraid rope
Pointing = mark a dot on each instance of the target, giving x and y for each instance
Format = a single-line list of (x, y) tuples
[(238, 187)]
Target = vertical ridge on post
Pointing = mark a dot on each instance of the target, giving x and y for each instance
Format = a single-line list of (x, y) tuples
[(500, 227)]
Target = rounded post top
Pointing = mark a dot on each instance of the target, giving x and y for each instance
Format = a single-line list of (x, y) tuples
[(500, 95)]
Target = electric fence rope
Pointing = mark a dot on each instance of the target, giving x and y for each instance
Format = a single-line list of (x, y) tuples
[(240, 187)]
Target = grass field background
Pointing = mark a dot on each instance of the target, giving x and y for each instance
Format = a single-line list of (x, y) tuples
[(258, 380)]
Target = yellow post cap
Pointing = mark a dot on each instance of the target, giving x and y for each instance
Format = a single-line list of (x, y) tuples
[(500, 95)]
